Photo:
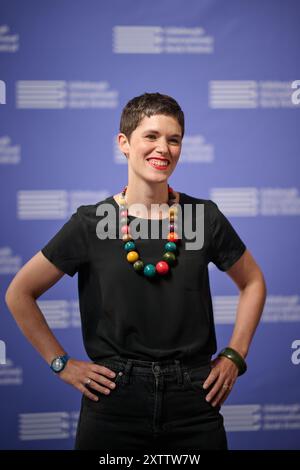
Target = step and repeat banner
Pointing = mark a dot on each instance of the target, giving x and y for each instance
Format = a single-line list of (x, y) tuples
[(66, 71)]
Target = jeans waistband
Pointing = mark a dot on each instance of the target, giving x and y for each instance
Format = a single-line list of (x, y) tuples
[(164, 366)]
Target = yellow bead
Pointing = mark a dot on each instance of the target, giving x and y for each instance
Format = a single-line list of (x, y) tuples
[(173, 217), (132, 256), (173, 210)]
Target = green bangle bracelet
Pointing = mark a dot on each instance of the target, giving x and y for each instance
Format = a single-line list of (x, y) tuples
[(235, 357)]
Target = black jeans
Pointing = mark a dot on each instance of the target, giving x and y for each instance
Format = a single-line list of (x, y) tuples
[(155, 405)]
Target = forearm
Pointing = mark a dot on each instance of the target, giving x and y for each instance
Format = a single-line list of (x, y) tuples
[(250, 307), (33, 325)]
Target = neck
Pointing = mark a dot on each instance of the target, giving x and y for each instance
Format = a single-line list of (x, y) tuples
[(146, 194)]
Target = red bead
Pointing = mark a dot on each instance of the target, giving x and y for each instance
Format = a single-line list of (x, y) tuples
[(173, 237), (162, 267)]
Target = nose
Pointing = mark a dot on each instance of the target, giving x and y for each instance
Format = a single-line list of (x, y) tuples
[(162, 147)]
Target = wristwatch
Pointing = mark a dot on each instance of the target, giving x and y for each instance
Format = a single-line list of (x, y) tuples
[(59, 363)]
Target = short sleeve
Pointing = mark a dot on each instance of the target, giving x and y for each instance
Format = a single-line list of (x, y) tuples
[(226, 247), (68, 249)]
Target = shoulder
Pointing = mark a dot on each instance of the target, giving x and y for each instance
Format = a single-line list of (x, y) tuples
[(188, 199), (89, 214), (212, 213)]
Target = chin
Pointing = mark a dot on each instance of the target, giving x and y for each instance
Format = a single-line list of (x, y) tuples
[(154, 180), (159, 178)]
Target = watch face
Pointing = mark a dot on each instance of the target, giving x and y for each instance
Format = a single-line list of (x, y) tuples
[(57, 364)]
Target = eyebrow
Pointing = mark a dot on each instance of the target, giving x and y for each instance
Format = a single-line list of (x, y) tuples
[(156, 132)]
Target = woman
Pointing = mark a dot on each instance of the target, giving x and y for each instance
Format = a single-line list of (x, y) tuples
[(145, 302)]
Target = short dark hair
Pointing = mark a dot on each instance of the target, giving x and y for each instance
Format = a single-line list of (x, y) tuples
[(149, 104)]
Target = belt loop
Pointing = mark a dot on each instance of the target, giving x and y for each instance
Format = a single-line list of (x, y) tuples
[(178, 371), (127, 371)]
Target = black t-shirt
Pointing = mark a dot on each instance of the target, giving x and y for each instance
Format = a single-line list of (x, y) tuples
[(125, 314)]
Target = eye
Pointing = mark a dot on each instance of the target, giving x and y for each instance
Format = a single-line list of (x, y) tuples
[(150, 136)]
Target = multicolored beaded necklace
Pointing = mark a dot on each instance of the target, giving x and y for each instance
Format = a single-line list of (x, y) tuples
[(169, 257)]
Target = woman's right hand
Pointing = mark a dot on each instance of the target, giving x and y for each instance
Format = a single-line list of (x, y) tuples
[(83, 373)]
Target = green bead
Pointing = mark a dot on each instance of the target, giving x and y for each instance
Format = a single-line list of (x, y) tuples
[(149, 270), (138, 265), (169, 257), (170, 246), (129, 246)]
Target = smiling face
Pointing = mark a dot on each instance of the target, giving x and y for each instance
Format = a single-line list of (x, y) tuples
[(154, 147)]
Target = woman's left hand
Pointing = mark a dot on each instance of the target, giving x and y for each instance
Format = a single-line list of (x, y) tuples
[(223, 375)]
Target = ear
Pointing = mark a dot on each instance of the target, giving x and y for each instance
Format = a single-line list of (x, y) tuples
[(123, 143)]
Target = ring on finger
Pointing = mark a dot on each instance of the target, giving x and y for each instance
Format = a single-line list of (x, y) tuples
[(226, 386), (88, 381)]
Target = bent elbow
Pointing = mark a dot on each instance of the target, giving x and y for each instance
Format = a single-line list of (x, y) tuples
[(9, 294), (263, 285)]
